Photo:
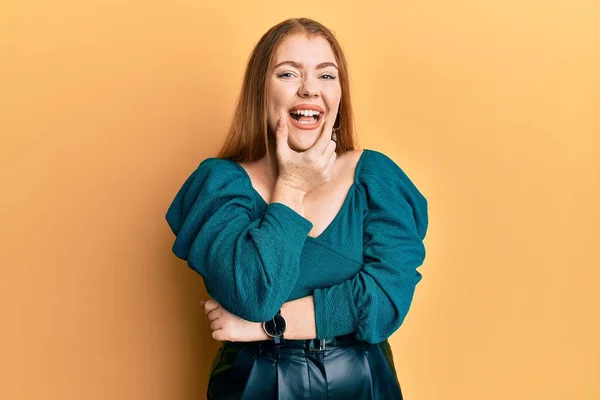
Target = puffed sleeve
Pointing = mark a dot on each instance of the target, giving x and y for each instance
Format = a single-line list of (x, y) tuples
[(249, 264), (376, 300)]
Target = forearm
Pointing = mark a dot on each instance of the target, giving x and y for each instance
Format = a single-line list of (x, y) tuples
[(299, 315)]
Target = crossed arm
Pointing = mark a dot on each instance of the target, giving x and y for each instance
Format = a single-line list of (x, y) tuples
[(299, 315), (252, 280)]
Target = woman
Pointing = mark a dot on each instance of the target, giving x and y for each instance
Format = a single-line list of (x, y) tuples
[(307, 246)]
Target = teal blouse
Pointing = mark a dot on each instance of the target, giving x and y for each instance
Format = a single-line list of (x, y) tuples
[(254, 256)]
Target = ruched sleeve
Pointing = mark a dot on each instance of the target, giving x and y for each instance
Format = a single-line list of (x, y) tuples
[(249, 264), (376, 300)]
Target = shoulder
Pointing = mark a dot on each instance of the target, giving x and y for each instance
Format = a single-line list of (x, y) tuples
[(376, 165), (213, 177), (214, 181), (386, 184), (219, 166), (215, 171)]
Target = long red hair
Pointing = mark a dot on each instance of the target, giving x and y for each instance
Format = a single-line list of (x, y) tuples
[(246, 139)]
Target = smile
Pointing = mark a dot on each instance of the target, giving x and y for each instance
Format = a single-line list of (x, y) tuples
[(306, 119)]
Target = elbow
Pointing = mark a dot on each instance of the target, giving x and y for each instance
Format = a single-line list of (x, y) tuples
[(245, 290), (253, 307), (379, 326), (374, 336)]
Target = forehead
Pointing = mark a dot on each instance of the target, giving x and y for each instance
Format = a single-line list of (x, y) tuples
[(305, 49)]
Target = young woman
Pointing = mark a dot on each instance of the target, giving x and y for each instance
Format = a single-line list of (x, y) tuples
[(307, 246)]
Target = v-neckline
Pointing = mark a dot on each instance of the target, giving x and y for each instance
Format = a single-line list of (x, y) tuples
[(349, 194)]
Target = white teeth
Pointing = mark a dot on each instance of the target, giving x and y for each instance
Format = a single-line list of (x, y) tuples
[(306, 113)]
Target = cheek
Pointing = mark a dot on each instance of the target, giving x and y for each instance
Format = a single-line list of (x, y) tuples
[(275, 102), (279, 100), (277, 91), (333, 103), (333, 96), (273, 110)]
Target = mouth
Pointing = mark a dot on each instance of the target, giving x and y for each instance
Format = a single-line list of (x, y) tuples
[(306, 119)]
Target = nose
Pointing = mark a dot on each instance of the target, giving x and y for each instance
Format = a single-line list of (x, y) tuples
[(308, 89)]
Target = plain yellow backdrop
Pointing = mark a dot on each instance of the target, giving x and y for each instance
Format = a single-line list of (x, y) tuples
[(491, 107)]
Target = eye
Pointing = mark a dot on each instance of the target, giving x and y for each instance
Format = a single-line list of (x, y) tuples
[(284, 75), (331, 77)]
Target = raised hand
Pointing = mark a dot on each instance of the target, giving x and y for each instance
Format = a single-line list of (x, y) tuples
[(309, 169)]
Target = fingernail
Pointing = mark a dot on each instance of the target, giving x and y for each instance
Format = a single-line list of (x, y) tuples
[(280, 123)]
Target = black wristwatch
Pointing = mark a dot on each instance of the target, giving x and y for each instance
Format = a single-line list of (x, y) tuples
[(275, 328)]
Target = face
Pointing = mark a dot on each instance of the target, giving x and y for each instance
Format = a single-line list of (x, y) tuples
[(304, 86)]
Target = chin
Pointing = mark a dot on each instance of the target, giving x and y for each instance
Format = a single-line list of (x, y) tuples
[(301, 145)]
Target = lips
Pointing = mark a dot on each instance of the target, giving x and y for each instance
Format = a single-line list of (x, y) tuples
[(313, 107), (304, 122)]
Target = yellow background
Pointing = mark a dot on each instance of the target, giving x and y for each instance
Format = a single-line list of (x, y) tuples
[(491, 107)]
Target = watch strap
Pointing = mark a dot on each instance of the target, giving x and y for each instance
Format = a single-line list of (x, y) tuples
[(277, 340)]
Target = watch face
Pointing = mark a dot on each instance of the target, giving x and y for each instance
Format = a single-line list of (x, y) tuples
[(276, 326)]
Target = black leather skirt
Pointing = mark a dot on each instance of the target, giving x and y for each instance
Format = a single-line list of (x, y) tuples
[(338, 368)]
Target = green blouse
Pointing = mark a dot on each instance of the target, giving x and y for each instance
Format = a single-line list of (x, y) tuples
[(254, 256)]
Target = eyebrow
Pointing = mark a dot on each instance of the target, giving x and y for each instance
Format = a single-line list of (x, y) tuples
[(298, 65)]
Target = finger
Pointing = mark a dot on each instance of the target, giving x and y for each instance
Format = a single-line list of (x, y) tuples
[(214, 314), (210, 305), (332, 159), (281, 136), (218, 335), (330, 150), (216, 324), (324, 139)]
